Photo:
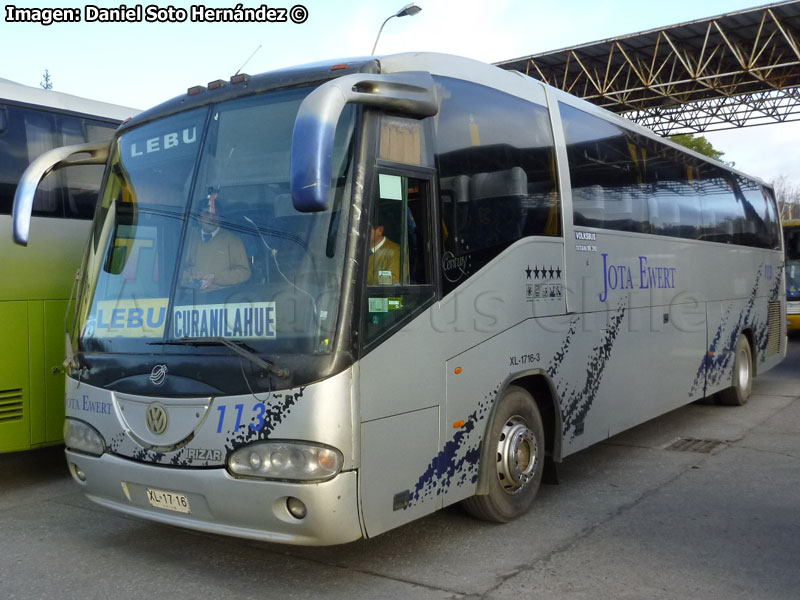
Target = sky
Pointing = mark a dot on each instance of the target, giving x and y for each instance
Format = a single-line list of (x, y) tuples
[(141, 64)]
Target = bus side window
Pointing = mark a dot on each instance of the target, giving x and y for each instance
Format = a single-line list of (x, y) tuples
[(40, 137), (497, 175), (397, 233), (608, 169), (70, 192), (81, 184), (399, 273), (774, 224), (11, 163), (388, 258)]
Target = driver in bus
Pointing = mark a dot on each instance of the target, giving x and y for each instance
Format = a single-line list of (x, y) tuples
[(216, 257), (384, 258)]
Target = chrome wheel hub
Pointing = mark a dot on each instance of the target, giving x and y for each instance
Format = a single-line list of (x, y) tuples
[(517, 455), (744, 371)]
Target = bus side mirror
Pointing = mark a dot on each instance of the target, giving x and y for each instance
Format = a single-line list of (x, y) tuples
[(39, 169), (410, 94)]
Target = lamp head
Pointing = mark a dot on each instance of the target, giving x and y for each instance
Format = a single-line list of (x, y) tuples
[(409, 10)]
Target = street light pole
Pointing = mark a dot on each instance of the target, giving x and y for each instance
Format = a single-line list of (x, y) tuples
[(409, 10)]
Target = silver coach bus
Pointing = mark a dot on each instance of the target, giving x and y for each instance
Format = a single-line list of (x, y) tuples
[(322, 302)]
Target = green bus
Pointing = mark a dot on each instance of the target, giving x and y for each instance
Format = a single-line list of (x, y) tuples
[(35, 283)]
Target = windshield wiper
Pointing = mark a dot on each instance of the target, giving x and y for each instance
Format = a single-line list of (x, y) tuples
[(239, 348)]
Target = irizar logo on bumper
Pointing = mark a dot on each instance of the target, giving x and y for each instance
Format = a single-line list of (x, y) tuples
[(203, 454)]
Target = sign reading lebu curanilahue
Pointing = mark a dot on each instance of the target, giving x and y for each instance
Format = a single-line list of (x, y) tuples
[(147, 318)]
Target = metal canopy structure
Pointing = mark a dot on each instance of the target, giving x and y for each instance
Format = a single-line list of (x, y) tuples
[(735, 70)]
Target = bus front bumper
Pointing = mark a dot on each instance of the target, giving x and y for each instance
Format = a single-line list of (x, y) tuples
[(222, 504)]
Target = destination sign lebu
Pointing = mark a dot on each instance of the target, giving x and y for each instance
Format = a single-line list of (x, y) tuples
[(141, 317)]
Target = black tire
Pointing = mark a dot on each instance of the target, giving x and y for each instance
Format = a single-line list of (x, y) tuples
[(513, 462), (739, 393)]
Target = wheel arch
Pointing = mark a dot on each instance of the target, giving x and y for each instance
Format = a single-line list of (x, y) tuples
[(539, 385)]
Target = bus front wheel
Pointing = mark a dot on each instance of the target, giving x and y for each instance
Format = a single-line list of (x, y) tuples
[(513, 463), (739, 393)]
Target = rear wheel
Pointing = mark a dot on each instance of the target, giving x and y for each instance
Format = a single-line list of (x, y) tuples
[(739, 393), (513, 465)]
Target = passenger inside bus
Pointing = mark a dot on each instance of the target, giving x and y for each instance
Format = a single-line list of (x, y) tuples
[(215, 257)]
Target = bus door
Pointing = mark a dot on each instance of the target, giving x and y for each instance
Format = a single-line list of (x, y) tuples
[(400, 376)]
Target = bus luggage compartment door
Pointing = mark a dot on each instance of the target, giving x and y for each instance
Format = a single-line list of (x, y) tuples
[(396, 453)]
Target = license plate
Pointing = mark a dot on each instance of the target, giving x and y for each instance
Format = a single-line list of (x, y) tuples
[(168, 500)]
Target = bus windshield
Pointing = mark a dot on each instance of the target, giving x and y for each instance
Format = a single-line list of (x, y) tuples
[(197, 238)]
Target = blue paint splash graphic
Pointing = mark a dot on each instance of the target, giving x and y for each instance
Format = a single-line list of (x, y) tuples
[(717, 364), (458, 462), (578, 403)]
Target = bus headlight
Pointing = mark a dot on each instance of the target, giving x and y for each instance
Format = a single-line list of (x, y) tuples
[(293, 461), (82, 437)]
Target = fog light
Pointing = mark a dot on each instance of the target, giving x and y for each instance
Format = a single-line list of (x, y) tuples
[(79, 475), (296, 508)]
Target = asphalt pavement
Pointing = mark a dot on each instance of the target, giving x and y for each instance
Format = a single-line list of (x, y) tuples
[(639, 516)]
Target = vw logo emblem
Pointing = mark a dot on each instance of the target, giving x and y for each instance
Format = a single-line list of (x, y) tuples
[(156, 418), (159, 374)]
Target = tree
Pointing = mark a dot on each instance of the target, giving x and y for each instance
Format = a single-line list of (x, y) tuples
[(787, 194), (47, 83), (698, 143)]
